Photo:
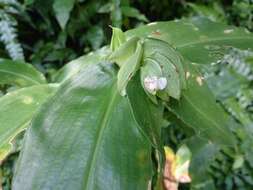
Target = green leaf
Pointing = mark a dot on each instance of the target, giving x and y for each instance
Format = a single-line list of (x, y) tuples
[(199, 40), (76, 65), (118, 38), (238, 162), (169, 70), (106, 8), (184, 154), (28, 2), (214, 11), (95, 37), (62, 9), (21, 74), (129, 68), (116, 13), (134, 13), (198, 109), (122, 53), (149, 116), (183, 158), (158, 49), (17, 109), (85, 137), (203, 152)]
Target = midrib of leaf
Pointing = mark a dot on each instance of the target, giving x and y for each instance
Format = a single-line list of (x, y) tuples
[(104, 121), (212, 40), (22, 76)]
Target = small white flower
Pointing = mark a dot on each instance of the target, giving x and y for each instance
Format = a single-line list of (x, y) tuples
[(153, 83), (162, 83)]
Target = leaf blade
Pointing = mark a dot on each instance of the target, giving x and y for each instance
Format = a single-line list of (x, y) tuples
[(198, 109), (199, 40), (102, 151), (13, 72), (17, 109)]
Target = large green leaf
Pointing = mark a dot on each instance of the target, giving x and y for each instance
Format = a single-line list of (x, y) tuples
[(16, 110), (199, 40), (13, 72), (198, 109), (85, 137)]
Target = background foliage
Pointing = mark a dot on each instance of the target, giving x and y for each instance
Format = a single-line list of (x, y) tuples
[(50, 33)]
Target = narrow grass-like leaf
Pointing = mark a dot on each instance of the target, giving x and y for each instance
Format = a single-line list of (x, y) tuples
[(13, 72)]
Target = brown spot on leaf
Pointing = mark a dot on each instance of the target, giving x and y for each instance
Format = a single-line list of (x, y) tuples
[(199, 80), (188, 74), (156, 33)]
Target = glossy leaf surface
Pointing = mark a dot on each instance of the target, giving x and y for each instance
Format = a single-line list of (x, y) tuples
[(85, 137), (199, 40)]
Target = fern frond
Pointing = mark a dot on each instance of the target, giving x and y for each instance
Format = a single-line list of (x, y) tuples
[(8, 35), (9, 2), (236, 60)]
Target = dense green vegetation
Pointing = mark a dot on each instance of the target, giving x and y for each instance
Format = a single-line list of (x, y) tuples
[(88, 116)]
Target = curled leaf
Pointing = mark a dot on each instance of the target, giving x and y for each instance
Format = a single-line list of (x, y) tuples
[(169, 71), (155, 47), (129, 68), (122, 53)]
